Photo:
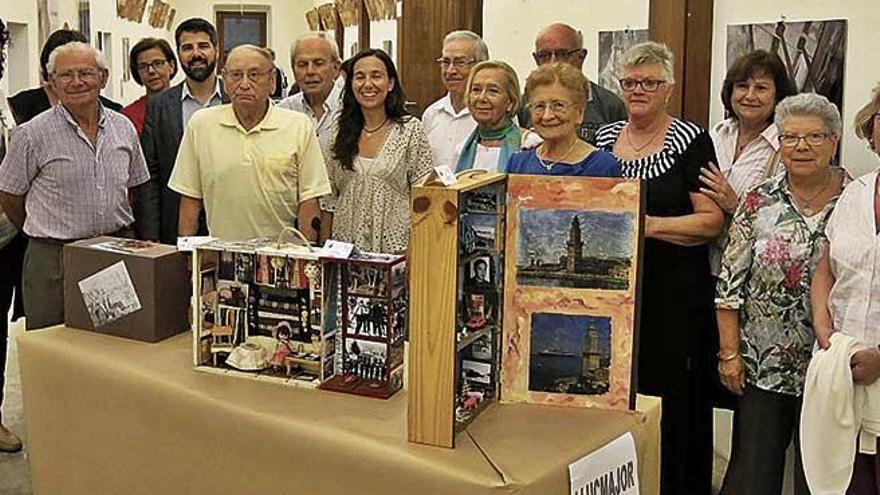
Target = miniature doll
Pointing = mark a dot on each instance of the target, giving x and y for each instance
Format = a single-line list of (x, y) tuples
[(282, 347)]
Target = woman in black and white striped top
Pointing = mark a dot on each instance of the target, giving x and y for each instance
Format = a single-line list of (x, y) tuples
[(677, 307)]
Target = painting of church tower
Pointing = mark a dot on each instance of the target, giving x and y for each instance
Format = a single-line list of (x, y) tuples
[(577, 249), (575, 245)]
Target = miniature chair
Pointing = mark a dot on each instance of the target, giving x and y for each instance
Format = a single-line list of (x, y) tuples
[(221, 340)]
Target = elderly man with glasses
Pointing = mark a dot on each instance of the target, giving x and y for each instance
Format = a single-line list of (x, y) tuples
[(448, 121), (254, 167), (67, 176), (562, 43)]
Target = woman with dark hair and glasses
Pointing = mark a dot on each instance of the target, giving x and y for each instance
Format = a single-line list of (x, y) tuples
[(153, 66), (676, 315), (379, 153), (12, 246)]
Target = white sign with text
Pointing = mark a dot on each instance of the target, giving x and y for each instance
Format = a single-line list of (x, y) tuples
[(611, 470), (446, 175), (337, 249)]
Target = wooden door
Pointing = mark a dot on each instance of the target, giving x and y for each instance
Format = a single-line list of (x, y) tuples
[(421, 29)]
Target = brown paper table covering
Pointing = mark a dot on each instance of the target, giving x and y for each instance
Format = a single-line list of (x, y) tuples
[(106, 415)]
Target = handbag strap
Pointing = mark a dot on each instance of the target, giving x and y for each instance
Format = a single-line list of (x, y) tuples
[(772, 165)]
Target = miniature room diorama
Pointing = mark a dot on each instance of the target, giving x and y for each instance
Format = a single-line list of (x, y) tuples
[(259, 310), (456, 258), (367, 321)]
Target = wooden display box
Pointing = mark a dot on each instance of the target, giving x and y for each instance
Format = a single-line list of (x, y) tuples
[(524, 289), (366, 304), (456, 261), (259, 311), (127, 288)]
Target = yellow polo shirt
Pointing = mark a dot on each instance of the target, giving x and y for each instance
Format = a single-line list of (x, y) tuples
[(250, 182)]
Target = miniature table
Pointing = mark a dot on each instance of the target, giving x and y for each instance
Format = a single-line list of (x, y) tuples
[(108, 415)]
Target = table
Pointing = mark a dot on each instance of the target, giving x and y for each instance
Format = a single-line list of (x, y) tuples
[(105, 415)]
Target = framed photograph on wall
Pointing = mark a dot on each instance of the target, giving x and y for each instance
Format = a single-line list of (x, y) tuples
[(814, 52)]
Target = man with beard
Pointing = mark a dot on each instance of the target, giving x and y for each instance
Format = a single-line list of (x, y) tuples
[(157, 206)]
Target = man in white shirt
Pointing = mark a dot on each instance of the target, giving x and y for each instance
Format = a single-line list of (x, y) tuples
[(314, 58), (447, 121)]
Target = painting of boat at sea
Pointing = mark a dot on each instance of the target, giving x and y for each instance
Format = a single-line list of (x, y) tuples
[(571, 291)]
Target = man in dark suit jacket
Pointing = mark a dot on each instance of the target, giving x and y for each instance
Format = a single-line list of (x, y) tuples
[(157, 206)]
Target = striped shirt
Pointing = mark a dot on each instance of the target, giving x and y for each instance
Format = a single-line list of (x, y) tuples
[(751, 166), (73, 189), (678, 137), (750, 169)]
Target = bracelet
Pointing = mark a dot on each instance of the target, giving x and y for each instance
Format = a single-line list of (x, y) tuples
[(724, 359)]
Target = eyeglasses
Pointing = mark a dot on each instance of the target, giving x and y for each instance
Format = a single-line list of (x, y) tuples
[(67, 76), (156, 65), (457, 62), (648, 85), (544, 56), (790, 140), (254, 76), (558, 107)]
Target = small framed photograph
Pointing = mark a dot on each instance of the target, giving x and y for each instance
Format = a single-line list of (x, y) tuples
[(480, 272), (475, 371)]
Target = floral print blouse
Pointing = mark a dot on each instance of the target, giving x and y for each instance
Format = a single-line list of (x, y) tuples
[(765, 274)]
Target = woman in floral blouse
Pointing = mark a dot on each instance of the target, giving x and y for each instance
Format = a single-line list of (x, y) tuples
[(763, 304)]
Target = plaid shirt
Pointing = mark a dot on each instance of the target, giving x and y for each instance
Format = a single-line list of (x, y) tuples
[(72, 189)]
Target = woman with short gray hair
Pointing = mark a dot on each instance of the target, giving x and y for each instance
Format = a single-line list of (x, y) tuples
[(763, 301), (676, 312)]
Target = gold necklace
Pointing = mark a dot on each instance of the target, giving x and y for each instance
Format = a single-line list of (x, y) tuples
[(548, 166), (807, 203), (638, 149)]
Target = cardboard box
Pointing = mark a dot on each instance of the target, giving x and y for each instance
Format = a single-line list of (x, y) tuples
[(128, 288)]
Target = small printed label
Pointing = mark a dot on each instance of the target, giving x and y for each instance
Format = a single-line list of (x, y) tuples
[(337, 249), (187, 244), (446, 175)]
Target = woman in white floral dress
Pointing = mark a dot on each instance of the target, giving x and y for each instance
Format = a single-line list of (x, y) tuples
[(378, 154)]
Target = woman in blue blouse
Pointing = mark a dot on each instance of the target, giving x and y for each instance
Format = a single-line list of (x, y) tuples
[(557, 95)]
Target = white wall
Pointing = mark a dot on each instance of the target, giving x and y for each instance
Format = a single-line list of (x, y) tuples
[(103, 18), (384, 30), (23, 13), (510, 26), (861, 73), (287, 21)]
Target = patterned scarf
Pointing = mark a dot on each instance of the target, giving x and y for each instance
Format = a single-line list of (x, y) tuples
[(511, 142)]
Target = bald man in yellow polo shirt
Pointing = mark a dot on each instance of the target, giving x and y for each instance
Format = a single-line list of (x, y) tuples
[(254, 167)]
